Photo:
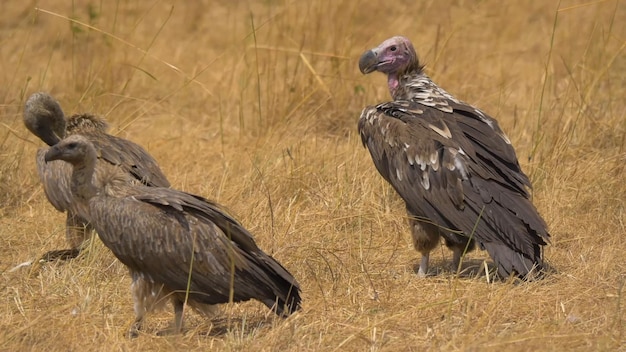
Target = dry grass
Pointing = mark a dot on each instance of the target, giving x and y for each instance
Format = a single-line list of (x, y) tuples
[(264, 121)]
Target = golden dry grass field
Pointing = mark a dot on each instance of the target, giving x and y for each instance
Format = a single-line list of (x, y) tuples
[(255, 104)]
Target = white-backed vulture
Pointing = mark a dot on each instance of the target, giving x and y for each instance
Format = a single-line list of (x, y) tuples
[(452, 165), (175, 244), (44, 117)]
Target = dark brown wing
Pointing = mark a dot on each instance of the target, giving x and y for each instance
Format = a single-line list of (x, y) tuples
[(441, 175), (163, 233), (131, 157), (492, 146)]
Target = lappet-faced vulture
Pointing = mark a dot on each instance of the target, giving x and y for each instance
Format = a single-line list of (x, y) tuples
[(452, 165), (175, 244), (44, 117)]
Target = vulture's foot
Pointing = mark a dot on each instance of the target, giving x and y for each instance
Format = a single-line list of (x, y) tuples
[(60, 254), (169, 331), (135, 327), (177, 325)]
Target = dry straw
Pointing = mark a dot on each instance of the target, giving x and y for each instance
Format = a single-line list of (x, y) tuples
[(254, 104)]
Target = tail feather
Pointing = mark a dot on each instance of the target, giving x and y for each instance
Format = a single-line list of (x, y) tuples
[(285, 303), (510, 262), (282, 291)]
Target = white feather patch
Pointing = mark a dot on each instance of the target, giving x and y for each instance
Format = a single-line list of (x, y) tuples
[(421, 162), (411, 161), (425, 180), (505, 138), (434, 161), (433, 158), (444, 133), (459, 164)]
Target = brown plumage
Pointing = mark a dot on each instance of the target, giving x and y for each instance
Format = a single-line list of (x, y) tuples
[(44, 117), (175, 244), (452, 165)]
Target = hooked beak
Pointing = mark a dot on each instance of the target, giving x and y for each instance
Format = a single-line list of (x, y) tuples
[(368, 62), (54, 153), (49, 137)]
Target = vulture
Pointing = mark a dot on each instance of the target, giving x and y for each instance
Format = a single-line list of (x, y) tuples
[(176, 245), (455, 169), (44, 117)]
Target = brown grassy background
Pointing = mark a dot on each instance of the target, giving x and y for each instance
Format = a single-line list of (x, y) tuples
[(255, 104)]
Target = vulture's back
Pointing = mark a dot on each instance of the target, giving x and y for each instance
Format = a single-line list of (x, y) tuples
[(131, 157), (176, 239)]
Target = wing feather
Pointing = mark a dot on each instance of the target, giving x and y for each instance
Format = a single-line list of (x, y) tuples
[(163, 233), (131, 157), (458, 182), (492, 146)]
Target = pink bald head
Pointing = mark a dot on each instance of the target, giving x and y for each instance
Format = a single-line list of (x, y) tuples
[(394, 56)]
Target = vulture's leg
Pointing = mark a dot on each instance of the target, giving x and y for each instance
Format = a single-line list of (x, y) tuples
[(178, 318), (459, 246), (423, 270), (457, 253), (178, 315), (138, 291), (77, 231), (425, 239)]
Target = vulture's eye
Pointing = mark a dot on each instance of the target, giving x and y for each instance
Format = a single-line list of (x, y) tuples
[(393, 48), (72, 145)]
